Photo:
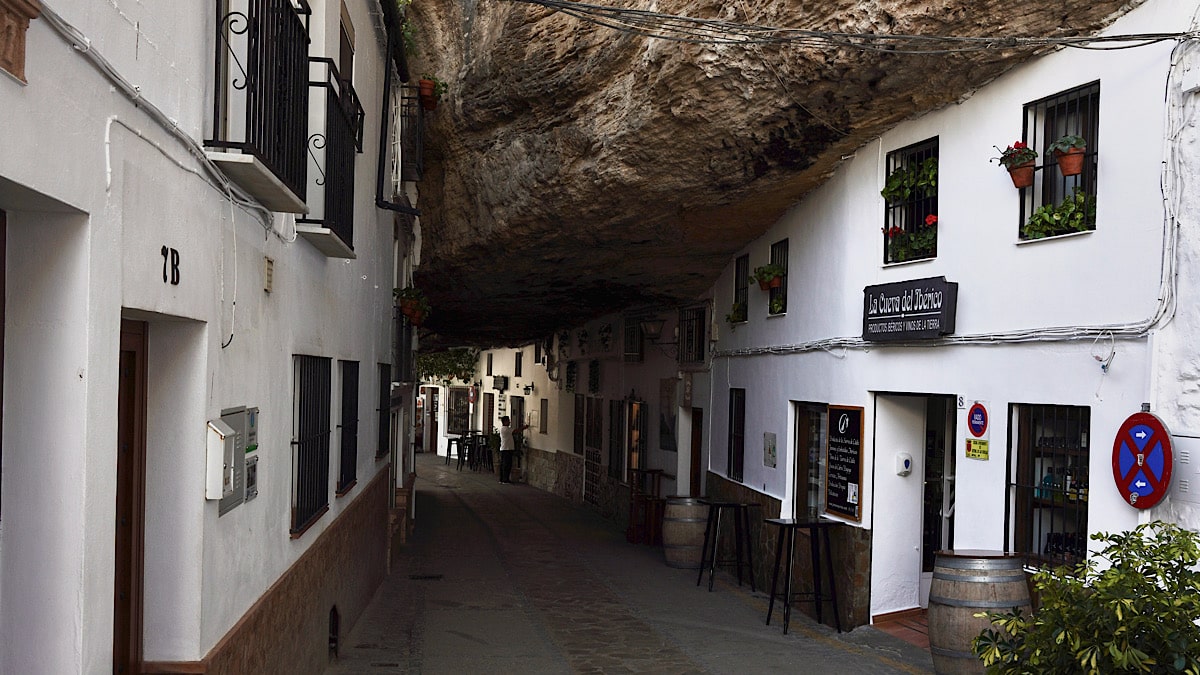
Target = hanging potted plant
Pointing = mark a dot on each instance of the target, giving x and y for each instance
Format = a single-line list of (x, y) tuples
[(412, 304), (768, 276), (737, 313), (1069, 153), (430, 90), (1018, 159)]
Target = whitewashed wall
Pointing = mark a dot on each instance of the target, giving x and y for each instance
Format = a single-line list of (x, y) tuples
[(73, 143), (1108, 276)]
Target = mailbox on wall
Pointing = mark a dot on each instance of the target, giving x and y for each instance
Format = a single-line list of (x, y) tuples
[(222, 444)]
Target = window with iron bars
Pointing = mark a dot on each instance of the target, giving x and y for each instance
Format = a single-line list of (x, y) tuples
[(736, 458), (693, 335), (910, 203), (633, 341), (384, 411), (1056, 203), (616, 439), (348, 464), (777, 295), (310, 440), (1049, 480)]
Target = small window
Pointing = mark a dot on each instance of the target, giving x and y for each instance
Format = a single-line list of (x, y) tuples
[(635, 435), (778, 294), (1058, 203), (736, 459), (348, 472), (544, 416), (384, 412), (693, 335), (458, 410), (910, 203), (580, 423), (489, 363), (345, 64), (616, 439), (633, 340), (517, 359), (1050, 480)]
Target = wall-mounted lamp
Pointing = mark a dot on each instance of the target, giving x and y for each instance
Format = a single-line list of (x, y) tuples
[(652, 329), (528, 389)]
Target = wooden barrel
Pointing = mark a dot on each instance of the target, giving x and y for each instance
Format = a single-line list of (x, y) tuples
[(683, 531), (966, 582)]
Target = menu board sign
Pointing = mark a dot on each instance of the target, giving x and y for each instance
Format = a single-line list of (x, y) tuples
[(843, 467)]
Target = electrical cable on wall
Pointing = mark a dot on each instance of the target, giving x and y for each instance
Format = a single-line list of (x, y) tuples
[(696, 30)]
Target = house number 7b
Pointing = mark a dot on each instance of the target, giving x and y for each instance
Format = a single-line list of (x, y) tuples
[(170, 266)]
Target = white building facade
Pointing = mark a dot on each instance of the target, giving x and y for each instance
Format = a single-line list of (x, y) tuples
[(201, 431)]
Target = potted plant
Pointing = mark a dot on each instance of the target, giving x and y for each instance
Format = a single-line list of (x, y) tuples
[(918, 179), (430, 90), (768, 276), (1018, 159), (1076, 213), (413, 304), (737, 313), (1069, 153), (903, 245), (778, 305)]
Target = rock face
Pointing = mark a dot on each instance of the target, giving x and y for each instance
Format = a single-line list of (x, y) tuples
[(574, 170)]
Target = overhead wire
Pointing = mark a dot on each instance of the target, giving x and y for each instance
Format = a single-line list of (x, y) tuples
[(696, 30)]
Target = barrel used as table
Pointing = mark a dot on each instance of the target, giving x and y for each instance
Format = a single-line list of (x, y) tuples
[(684, 519), (966, 582)]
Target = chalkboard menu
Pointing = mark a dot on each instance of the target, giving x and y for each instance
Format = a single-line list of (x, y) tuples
[(843, 468)]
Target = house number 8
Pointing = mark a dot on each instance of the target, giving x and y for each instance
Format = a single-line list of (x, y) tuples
[(170, 266)]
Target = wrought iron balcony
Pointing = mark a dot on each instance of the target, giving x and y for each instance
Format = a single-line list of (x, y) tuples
[(260, 99), (409, 139), (336, 126)]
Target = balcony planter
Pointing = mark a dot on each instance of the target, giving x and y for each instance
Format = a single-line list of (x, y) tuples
[(1069, 153), (768, 276), (1018, 160), (1022, 175), (429, 91)]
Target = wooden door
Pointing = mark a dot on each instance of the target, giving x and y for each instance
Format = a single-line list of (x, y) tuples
[(131, 494)]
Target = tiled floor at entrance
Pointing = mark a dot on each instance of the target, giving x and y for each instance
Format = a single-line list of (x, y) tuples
[(912, 626)]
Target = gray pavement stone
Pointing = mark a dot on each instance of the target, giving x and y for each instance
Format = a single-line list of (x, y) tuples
[(530, 583)]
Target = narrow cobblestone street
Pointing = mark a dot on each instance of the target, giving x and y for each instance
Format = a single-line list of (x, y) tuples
[(510, 579)]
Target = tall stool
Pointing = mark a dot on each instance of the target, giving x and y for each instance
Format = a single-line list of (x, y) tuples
[(712, 540), (817, 527), (455, 446)]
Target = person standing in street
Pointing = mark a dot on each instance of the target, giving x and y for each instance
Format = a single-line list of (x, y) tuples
[(507, 446)]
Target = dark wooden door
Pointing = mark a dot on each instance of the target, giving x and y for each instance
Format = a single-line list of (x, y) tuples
[(697, 477), (131, 463)]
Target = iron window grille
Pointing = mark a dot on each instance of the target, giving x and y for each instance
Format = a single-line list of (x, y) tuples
[(402, 346), (580, 424), (260, 92), (1072, 112), (595, 424), (740, 310), (544, 416), (384, 411), (693, 335), (593, 376), (336, 138), (736, 459), (310, 444), (910, 208), (489, 364), (458, 410), (408, 153), (348, 471), (1049, 480), (778, 294), (517, 358), (634, 345)]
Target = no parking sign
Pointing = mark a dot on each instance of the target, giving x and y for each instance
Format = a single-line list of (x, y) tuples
[(977, 424), (1142, 460)]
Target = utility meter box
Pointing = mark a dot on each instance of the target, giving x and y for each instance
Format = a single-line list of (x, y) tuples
[(222, 448), (251, 430), (236, 419)]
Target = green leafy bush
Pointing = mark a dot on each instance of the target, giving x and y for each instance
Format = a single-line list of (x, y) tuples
[(1076, 213), (1136, 616), (452, 364), (918, 179)]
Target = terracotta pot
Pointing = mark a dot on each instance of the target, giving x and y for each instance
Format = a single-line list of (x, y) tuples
[(416, 317), (1022, 176), (429, 102), (776, 282), (425, 87), (764, 285), (1070, 163), (408, 305)]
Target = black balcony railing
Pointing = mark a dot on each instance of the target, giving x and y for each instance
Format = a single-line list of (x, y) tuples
[(334, 141), (410, 131), (260, 101)]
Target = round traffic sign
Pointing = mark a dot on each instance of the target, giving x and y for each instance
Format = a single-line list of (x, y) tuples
[(977, 420), (1142, 460)]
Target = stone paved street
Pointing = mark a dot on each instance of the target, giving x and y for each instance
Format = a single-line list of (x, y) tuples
[(510, 579)]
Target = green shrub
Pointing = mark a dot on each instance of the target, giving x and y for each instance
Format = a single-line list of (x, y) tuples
[(1137, 616)]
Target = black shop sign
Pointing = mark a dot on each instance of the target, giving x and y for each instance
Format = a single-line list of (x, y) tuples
[(843, 466), (918, 309)]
